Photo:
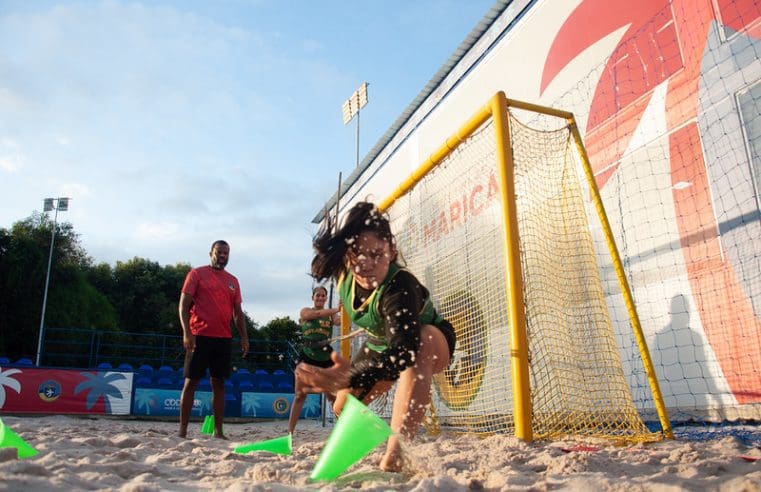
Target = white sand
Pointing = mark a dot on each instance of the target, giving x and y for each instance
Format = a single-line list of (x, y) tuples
[(137, 455)]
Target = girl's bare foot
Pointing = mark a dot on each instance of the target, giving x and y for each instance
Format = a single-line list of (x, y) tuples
[(391, 462)]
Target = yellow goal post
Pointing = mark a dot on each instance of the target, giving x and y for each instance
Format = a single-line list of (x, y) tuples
[(498, 222)]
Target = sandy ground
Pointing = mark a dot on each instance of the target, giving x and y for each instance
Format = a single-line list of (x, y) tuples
[(78, 453)]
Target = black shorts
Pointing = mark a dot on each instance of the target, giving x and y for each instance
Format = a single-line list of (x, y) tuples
[(314, 362), (448, 330), (211, 353)]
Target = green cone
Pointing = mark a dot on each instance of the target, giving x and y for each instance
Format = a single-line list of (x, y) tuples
[(279, 445), (357, 432), (9, 439), (208, 425)]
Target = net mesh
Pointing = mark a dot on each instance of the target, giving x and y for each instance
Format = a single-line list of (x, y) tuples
[(449, 230)]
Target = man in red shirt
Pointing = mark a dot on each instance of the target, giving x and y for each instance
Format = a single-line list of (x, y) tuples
[(210, 299)]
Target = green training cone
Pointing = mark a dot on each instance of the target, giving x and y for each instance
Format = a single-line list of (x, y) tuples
[(208, 425), (357, 432), (279, 445), (9, 439)]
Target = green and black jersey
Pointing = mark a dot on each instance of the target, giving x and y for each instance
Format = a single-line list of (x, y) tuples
[(392, 315)]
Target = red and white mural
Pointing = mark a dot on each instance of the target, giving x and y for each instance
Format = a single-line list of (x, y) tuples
[(64, 391), (668, 43), (668, 98)]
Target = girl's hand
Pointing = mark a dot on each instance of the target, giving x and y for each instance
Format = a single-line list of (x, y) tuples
[(330, 380)]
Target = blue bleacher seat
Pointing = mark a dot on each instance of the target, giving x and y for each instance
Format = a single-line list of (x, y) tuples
[(165, 372), (105, 366), (246, 386), (204, 385), (125, 367), (143, 381), (145, 370), (262, 372), (237, 376), (281, 377), (265, 386), (285, 387), (24, 362), (165, 382), (5, 361)]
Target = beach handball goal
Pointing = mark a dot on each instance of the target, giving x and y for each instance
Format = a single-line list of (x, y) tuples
[(502, 223)]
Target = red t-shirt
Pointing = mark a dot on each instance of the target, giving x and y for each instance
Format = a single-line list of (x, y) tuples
[(215, 294)]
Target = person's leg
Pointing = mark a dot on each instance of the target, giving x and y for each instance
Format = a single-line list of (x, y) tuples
[(413, 393), (193, 368), (298, 403), (218, 405), (219, 369), (339, 400), (186, 404)]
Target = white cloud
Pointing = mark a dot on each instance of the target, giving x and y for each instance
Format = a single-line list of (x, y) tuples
[(9, 164), (312, 46), (151, 231), (74, 190), (10, 158), (173, 124)]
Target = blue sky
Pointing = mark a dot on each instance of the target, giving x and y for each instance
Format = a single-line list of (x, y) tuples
[(172, 124)]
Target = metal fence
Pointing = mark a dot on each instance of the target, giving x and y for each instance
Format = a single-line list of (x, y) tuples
[(80, 348)]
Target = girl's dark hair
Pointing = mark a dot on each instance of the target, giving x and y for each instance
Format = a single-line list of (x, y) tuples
[(319, 287), (330, 247)]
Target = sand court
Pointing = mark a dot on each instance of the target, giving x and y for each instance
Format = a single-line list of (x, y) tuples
[(104, 453)]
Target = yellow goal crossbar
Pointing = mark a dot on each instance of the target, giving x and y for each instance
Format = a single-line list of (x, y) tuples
[(497, 110)]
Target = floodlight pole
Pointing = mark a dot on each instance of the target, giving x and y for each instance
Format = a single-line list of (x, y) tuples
[(48, 206), (351, 108), (357, 141)]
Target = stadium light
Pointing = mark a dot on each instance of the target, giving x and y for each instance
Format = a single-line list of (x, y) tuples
[(62, 204), (351, 107)]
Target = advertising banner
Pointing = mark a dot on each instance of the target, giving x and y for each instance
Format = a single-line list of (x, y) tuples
[(64, 391), (166, 402), (276, 405)]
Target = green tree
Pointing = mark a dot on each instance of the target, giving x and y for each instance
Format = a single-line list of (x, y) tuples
[(138, 295), (145, 294), (24, 251), (282, 330)]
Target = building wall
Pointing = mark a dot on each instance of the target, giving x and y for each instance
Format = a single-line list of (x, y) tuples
[(666, 95)]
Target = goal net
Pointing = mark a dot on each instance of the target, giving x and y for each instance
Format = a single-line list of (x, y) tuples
[(450, 219)]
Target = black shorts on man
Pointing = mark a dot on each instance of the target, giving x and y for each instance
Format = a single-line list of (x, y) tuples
[(211, 353)]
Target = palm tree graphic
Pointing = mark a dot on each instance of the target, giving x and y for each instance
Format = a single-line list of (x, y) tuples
[(99, 385), (7, 380), (311, 406), (251, 403), (143, 400), (665, 46)]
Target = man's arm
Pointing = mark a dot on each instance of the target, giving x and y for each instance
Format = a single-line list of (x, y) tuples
[(188, 339), (240, 324)]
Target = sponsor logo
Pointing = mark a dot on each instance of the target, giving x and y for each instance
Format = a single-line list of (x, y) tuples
[(459, 385), (174, 403), (280, 405), (49, 390)]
